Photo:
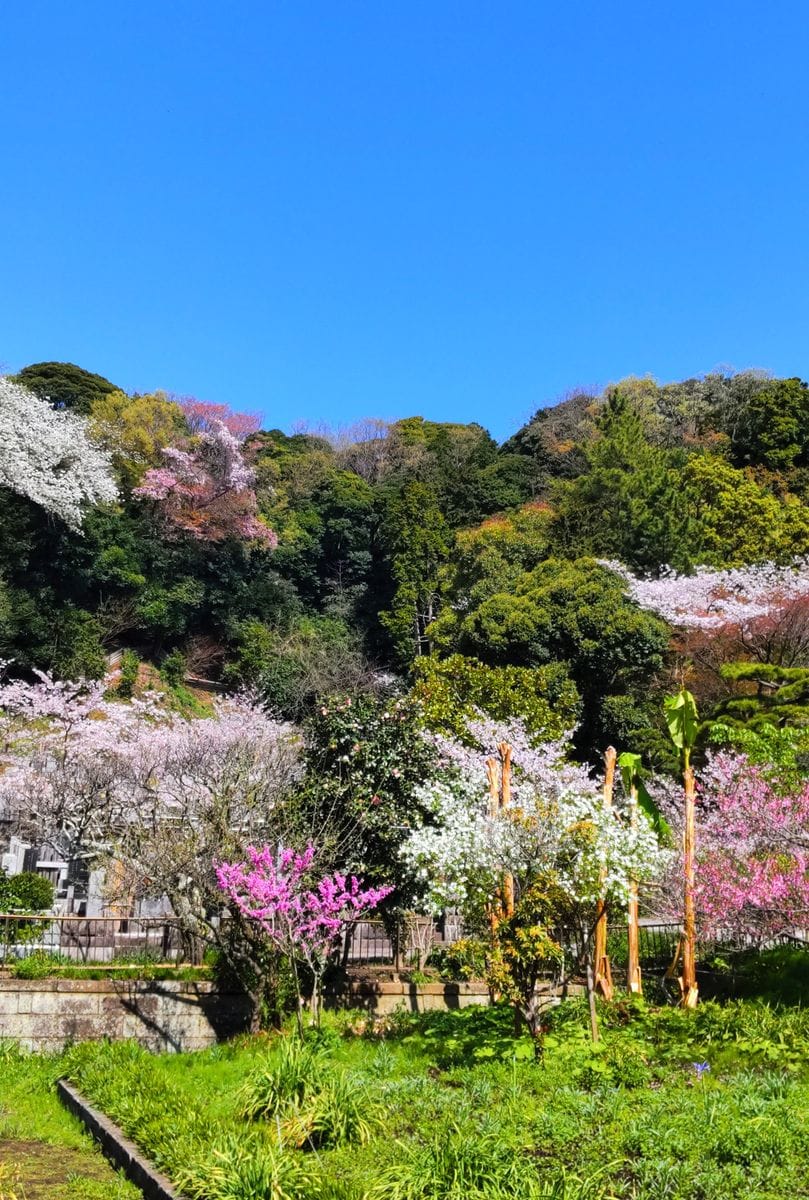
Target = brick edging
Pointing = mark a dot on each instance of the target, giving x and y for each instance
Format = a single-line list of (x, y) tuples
[(118, 1149)]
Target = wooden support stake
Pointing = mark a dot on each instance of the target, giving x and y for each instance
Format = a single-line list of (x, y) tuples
[(504, 751), (633, 975), (688, 980), (601, 962)]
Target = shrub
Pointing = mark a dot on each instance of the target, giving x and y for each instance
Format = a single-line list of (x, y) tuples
[(27, 892), (130, 666), (463, 959)]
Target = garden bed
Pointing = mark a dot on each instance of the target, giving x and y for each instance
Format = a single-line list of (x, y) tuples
[(453, 1106)]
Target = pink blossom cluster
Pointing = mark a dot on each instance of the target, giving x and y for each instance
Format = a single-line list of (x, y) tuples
[(202, 415), (95, 774), (752, 870), (543, 768), (273, 888), (206, 489), (753, 864), (712, 599)]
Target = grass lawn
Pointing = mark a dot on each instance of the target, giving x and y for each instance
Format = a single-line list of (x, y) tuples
[(455, 1107), (44, 1154)]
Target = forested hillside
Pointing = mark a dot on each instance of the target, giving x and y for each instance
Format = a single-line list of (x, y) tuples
[(418, 554)]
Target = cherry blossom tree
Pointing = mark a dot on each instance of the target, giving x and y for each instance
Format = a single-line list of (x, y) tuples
[(304, 917), (745, 626), (205, 490), (153, 793), (48, 456), (202, 416), (752, 869), (713, 599)]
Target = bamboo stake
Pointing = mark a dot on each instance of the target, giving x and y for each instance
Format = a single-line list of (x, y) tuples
[(633, 975), (688, 980), (505, 801), (601, 962)]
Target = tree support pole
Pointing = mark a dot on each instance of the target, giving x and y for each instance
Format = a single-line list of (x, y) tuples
[(633, 975), (601, 962)]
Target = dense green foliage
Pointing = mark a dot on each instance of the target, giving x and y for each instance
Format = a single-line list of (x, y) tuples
[(421, 540), (27, 892)]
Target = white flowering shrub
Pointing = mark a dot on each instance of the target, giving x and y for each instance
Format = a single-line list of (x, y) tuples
[(556, 828), (49, 457)]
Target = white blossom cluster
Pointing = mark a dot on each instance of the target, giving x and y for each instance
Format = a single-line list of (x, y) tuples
[(48, 456), (557, 827), (712, 598)]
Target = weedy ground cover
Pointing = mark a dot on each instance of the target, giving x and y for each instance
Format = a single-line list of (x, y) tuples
[(44, 1153), (712, 1105)]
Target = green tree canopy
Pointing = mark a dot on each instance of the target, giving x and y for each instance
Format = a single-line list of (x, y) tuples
[(65, 385)]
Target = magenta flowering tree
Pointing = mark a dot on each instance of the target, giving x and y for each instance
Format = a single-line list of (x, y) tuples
[(753, 868), (303, 919)]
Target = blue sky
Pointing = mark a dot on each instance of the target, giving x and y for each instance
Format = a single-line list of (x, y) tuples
[(324, 211)]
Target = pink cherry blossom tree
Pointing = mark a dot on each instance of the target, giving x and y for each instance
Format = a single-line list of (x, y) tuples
[(205, 489), (753, 871), (154, 796), (303, 917), (752, 867), (713, 599), (202, 415)]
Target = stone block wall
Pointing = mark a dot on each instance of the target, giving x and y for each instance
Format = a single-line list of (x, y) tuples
[(46, 1014), (385, 996)]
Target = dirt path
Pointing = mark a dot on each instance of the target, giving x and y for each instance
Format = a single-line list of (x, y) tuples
[(39, 1171)]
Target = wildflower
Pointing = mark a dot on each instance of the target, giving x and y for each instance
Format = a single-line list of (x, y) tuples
[(700, 1068)]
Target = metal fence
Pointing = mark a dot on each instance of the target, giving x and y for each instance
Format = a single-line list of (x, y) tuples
[(97, 940), (139, 940)]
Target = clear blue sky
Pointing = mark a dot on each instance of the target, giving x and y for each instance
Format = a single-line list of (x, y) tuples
[(325, 211)]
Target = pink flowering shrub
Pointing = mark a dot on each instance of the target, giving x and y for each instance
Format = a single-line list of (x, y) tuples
[(304, 919)]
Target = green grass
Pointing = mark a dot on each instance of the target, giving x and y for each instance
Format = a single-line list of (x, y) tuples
[(453, 1106), (44, 1153)]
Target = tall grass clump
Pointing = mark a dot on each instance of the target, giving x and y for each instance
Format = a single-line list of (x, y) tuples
[(311, 1103)]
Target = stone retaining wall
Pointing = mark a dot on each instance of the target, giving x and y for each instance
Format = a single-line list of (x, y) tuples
[(385, 996), (46, 1014)]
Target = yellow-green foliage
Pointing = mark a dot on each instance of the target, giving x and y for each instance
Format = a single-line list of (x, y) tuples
[(452, 690)]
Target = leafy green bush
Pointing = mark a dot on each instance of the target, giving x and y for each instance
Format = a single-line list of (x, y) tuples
[(40, 964), (27, 892), (130, 666), (173, 668), (462, 959)]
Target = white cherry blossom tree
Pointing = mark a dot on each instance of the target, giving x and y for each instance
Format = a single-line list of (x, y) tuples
[(49, 457)]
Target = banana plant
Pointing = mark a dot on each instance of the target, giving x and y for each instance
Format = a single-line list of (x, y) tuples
[(683, 723), (629, 765)]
